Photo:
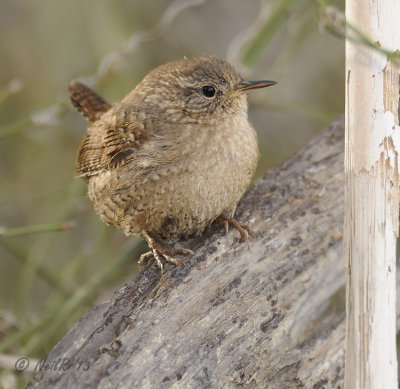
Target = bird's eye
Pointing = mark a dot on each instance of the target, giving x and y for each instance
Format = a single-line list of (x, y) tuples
[(208, 91)]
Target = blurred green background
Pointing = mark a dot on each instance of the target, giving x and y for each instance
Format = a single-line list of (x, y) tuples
[(57, 258)]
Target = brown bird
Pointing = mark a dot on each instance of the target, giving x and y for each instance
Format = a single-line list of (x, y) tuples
[(176, 154)]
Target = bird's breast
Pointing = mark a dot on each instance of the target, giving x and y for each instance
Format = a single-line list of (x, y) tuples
[(180, 194)]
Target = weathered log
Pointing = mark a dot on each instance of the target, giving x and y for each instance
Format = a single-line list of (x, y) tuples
[(271, 316)]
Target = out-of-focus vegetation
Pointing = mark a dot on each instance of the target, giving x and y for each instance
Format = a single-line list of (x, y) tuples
[(57, 258)]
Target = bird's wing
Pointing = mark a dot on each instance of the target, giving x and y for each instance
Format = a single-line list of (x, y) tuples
[(112, 140), (87, 101)]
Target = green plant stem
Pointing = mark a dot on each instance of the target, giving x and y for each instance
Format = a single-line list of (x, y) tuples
[(273, 23), (81, 296), (37, 228), (15, 128), (21, 253), (358, 36)]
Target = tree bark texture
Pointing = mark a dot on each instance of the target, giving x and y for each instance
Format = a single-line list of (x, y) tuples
[(271, 316)]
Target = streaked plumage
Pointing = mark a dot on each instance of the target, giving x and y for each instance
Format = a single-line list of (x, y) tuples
[(168, 160)]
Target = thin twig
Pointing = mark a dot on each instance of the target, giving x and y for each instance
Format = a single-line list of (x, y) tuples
[(37, 228), (111, 63)]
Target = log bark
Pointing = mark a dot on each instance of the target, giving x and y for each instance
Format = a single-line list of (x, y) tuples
[(271, 316)]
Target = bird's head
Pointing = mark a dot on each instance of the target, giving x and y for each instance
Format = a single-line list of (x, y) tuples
[(198, 89)]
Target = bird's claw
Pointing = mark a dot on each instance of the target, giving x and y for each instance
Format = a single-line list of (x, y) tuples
[(244, 230), (161, 254)]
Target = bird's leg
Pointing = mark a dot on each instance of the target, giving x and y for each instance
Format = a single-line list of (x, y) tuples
[(161, 254), (243, 229)]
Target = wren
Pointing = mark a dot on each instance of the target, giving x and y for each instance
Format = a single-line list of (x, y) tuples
[(175, 155)]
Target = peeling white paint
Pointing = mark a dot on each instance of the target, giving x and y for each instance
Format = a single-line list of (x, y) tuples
[(372, 196)]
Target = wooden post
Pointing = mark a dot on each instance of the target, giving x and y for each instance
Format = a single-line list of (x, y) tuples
[(371, 195)]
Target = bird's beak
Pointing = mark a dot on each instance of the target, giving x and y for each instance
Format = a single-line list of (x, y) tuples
[(246, 86)]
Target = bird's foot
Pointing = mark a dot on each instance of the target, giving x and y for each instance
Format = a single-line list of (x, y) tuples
[(161, 254), (243, 229)]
